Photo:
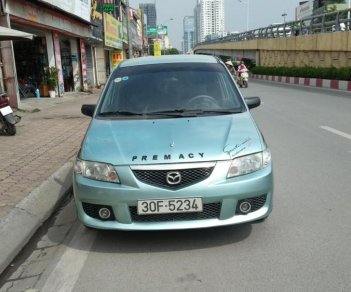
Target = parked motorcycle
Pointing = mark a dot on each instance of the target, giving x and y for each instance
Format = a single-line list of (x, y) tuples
[(243, 79), (8, 119)]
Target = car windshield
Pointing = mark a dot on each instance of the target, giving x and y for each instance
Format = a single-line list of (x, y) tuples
[(169, 90)]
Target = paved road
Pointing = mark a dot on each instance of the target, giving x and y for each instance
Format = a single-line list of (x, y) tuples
[(303, 246)]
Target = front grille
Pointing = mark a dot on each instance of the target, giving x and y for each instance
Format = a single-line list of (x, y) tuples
[(92, 210), (256, 203), (210, 211), (159, 177)]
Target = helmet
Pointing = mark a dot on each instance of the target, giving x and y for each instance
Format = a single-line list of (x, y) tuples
[(229, 63)]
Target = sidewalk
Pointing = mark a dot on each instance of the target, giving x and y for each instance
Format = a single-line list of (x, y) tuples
[(36, 166)]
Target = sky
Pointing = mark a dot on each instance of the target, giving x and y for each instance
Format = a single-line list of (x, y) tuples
[(261, 13)]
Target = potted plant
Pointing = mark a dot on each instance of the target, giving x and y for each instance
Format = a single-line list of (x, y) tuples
[(44, 87), (52, 80)]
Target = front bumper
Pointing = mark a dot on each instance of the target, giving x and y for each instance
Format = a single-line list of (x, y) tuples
[(216, 191)]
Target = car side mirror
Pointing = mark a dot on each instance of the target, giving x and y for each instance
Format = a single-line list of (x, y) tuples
[(88, 109), (253, 101)]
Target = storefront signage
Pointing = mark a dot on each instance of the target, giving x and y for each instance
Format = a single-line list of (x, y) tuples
[(96, 11), (117, 57), (113, 32), (96, 19), (49, 18), (157, 49), (108, 6), (136, 39), (124, 29), (80, 8)]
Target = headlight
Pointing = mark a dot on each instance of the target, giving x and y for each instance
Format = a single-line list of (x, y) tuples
[(96, 170), (249, 163)]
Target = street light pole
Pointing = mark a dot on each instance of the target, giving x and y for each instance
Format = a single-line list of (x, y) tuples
[(163, 48), (247, 13), (284, 15)]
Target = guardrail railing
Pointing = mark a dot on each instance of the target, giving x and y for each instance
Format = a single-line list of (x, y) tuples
[(328, 22)]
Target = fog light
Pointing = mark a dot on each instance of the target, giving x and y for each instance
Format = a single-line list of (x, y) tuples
[(245, 207), (104, 213)]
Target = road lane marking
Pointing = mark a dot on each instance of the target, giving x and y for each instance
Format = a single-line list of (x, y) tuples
[(66, 273), (337, 132)]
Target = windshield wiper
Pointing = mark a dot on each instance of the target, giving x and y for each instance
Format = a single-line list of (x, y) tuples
[(120, 113), (195, 112), (172, 113), (220, 111)]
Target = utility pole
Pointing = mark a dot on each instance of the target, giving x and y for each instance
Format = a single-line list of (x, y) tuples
[(130, 45)]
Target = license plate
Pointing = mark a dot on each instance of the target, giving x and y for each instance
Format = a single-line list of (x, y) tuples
[(6, 110), (170, 206)]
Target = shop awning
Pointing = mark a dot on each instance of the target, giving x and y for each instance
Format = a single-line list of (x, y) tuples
[(7, 34)]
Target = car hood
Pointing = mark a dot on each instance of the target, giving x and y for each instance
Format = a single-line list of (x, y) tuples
[(175, 140)]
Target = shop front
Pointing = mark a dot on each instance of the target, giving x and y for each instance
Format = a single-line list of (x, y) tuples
[(56, 44), (31, 59), (66, 61)]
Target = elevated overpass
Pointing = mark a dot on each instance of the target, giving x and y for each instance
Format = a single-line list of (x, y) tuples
[(319, 41)]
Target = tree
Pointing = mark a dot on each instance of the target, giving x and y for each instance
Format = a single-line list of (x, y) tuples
[(172, 51), (326, 2)]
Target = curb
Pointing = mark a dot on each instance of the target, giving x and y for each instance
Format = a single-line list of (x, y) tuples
[(17, 228), (313, 82)]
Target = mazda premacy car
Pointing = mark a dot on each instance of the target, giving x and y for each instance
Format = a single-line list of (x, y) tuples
[(172, 145)]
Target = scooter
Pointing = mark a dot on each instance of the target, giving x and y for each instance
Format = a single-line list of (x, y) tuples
[(243, 79), (7, 118)]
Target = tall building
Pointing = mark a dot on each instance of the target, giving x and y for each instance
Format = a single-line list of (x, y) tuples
[(209, 19), (149, 9), (189, 33), (305, 9), (197, 23)]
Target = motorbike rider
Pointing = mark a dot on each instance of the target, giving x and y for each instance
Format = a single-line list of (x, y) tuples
[(230, 67), (242, 68)]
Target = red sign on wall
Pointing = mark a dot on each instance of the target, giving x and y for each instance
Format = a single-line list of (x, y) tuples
[(117, 58)]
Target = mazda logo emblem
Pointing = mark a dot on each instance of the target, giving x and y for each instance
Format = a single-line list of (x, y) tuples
[(173, 178)]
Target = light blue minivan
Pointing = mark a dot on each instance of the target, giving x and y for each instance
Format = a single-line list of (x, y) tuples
[(172, 145)]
